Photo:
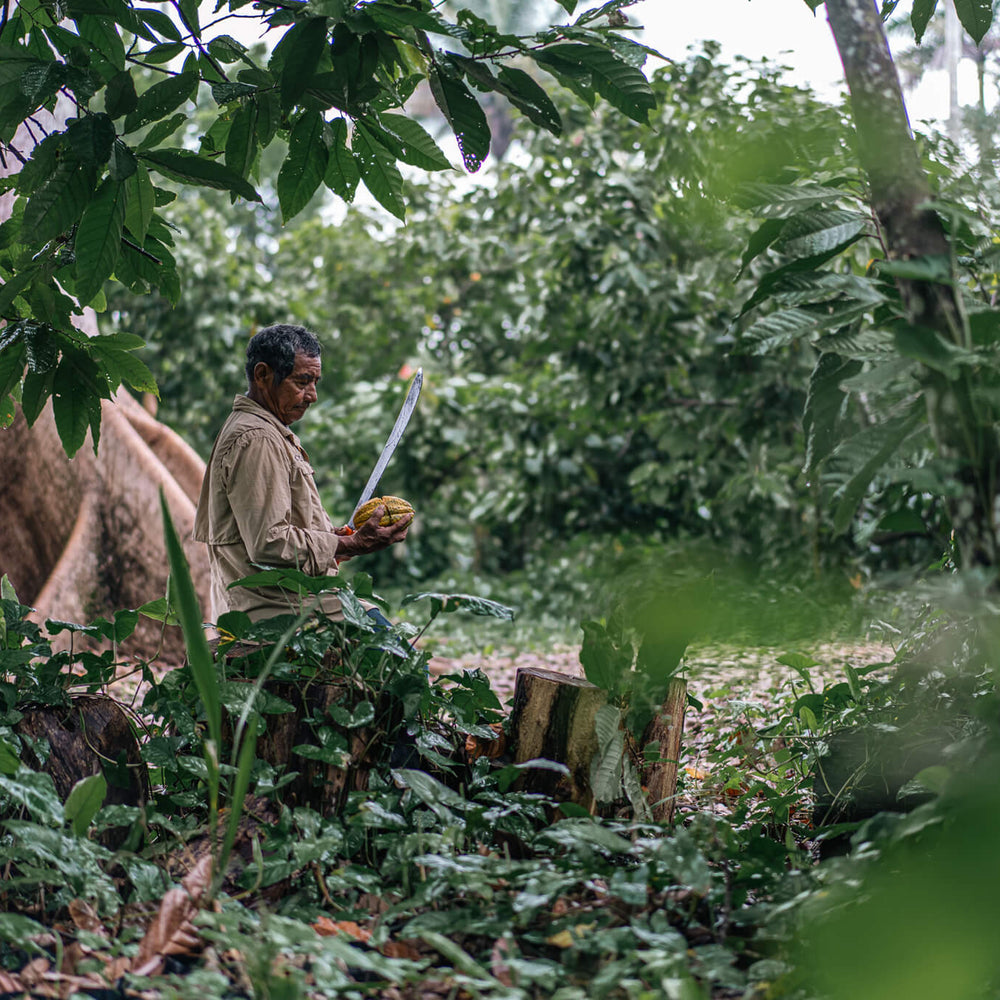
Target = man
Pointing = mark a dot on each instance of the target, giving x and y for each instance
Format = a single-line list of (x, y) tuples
[(259, 504)]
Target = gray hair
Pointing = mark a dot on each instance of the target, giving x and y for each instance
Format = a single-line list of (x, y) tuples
[(277, 346)]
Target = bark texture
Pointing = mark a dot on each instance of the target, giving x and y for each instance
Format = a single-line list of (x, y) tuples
[(552, 717), (83, 538), (659, 776), (961, 418)]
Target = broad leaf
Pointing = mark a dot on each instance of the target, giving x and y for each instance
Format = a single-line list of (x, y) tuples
[(872, 449), (305, 165), (342, 172), (824, 406), (379, 173), (189, 168), (75, 404), (976, 17), (140, 203), (83, 802), (781, 201), (464, 115), (161, 99), (817, 232), (98, 239), (300, 49), (414, 144), (615, 80), (241, 142), (923, 11), (60, 201), (529, 98)]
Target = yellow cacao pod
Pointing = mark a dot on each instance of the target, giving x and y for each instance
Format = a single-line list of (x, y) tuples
[(395, 508)]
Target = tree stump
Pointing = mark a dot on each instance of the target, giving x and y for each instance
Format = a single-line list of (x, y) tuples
[(552, 717), (659, 774), (92, 735)]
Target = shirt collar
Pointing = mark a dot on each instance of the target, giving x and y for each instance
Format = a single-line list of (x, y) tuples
[(244, 404)]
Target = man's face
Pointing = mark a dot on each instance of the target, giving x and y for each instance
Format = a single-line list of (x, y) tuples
[(289, 400)]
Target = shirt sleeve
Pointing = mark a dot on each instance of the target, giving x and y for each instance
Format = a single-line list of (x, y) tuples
[(259, 486)]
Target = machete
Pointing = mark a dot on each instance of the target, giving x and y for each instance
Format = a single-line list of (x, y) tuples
[(405, 412)]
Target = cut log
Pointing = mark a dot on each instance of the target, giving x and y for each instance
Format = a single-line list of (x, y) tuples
[(661, 748), (552, 717)]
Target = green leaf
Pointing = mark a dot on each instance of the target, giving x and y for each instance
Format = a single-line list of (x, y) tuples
[(817, 232), (414, 144), (120, 97), (464, 115), (529, 98), (825, 404), (302, 48), (9, 762), (75, 403), (606, 767), (446, 602), (99, 239), (159, 22), (603, 662), (35, 390), (923, 11), (36, 791), (83, 802), (305, 165), (161, 99), (161, 130), (123, 163), (104, 41), (190, 168), (781, 201), (199, 657), (241, 142), (140, 203), (11, 367), (872, 448), (620, 84), (927, 346), (379, 172), (91, 137), (431, 792), (342, 172), (976, 17), (59, 202)]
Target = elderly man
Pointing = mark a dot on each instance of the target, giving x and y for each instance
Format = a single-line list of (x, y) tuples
[(259, 504)]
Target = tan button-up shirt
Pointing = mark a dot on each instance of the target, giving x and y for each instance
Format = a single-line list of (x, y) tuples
[(259, 504)]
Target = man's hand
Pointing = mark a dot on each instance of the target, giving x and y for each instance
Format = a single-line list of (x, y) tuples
[(371, 536)]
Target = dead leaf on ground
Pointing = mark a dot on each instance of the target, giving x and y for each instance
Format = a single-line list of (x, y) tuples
[(499, 957), (400, 949), (171, 932), (325, 927), (85, 917)]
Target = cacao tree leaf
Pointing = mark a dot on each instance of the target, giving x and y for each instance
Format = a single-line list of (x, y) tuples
[(123, 163), (920, 15), (105, 43), (768, 231), (83, 802), (780, 201), (190, 168), (415, 145), (342, 172), (159, 22), (161, 99), (464, 115), (788, 325), (59, 202), (99, 238), (11, 367), (976, 17), (529, 98), (241, 143), (120, 97), (189, 15), (301, 49), (875, 445), (305, 165), (379, 172), (161, 130), (930, 348), (140, 203), (622, 85), (91, 137), (812, 233), (825, 402), (35, 390), (75, 403)]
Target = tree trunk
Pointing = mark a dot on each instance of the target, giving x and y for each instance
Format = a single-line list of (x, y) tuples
[(84, 538), (552, 718), (659, 776), (961, 420)]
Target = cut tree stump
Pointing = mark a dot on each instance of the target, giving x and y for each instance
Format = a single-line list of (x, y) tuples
[(552, 717), (92, 735), (659, 775)]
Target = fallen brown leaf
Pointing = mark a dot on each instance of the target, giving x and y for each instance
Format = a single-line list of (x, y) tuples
[(171, 932), (326, 927), (400, 949)]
